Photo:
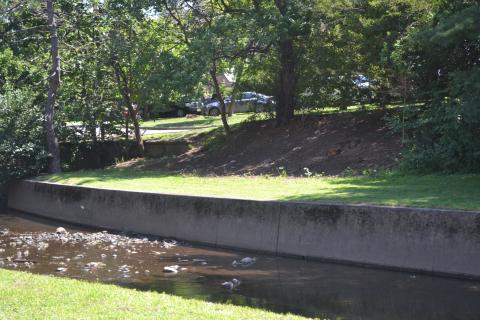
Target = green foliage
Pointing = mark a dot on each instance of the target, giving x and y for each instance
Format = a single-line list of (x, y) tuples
[(22, 146), (407, 50), (443, 136), (355, 39)]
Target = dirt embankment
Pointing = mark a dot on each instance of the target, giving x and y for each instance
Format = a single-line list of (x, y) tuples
[(326, 144)]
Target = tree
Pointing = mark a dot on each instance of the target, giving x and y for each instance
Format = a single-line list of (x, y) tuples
[(122, 39), (443, 61), (215, 35), (23, 150), (52, 141)]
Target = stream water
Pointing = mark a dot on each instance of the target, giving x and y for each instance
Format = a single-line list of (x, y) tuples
[(314, 289)]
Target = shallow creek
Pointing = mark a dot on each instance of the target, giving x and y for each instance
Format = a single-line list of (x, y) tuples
[(324, 290)]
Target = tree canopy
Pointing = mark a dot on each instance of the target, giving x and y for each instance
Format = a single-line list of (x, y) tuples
[(142, 57)]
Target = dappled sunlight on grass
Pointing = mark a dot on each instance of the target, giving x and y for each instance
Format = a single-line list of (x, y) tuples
[(436, 191), (199, 121)]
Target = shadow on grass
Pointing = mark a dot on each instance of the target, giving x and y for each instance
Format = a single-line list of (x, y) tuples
[(432, 191), (84, 177)]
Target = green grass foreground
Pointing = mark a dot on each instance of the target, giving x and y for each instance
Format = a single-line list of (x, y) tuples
[(393, 189), (28, 296)]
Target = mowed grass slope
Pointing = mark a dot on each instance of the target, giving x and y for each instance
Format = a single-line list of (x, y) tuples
[(27, 296), (433, 191)]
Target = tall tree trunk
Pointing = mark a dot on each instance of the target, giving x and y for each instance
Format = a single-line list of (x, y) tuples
[(287, 83), (218, 93), (122, 83), (54, 83), (287, 78)]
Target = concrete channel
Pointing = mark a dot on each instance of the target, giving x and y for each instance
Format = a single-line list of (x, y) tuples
[(444, 242)]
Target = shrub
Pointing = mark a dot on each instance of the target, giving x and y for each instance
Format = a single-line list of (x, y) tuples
[(22, 144)]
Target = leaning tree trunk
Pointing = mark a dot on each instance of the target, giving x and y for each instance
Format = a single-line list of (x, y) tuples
[(54, 83), (124, 89), (218, 93)]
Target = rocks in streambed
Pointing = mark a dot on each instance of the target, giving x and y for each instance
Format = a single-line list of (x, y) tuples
[(94, 266), (61, 230), (108, 241)]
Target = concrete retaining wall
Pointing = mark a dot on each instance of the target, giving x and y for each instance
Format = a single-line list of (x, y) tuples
[(436, 241)]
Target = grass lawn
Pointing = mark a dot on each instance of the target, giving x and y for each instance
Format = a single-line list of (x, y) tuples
[(434, 191), (169, 136), (196, 122), (27, 296)]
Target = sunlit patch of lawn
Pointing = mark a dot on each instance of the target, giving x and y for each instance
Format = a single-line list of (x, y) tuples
[(27, 296), (196, 122), (393, 189)]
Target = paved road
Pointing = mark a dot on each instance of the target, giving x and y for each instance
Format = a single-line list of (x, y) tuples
[(149, 131)]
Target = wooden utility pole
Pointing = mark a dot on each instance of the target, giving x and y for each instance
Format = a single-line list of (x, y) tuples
[(54, 83)]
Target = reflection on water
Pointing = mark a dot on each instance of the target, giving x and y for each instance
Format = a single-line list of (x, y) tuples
[(278, 284)]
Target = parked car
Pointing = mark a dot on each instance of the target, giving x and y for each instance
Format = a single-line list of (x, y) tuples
[(248, 102), (173, 111), (211, 106), (194, 107)]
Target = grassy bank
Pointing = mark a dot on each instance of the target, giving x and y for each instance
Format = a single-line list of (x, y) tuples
[(434, 191), (27, 296)]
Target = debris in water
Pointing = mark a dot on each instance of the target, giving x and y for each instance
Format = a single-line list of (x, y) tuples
[(167, 244), (171, 269), (245, 262), (231, 284)]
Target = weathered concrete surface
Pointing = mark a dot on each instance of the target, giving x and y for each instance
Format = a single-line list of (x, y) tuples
[(436, 241)]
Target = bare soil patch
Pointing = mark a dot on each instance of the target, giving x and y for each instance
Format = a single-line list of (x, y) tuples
[(329, 144)]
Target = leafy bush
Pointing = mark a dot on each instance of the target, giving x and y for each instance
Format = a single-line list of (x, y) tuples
[(22, 145), (444, 136), (444, 61)]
